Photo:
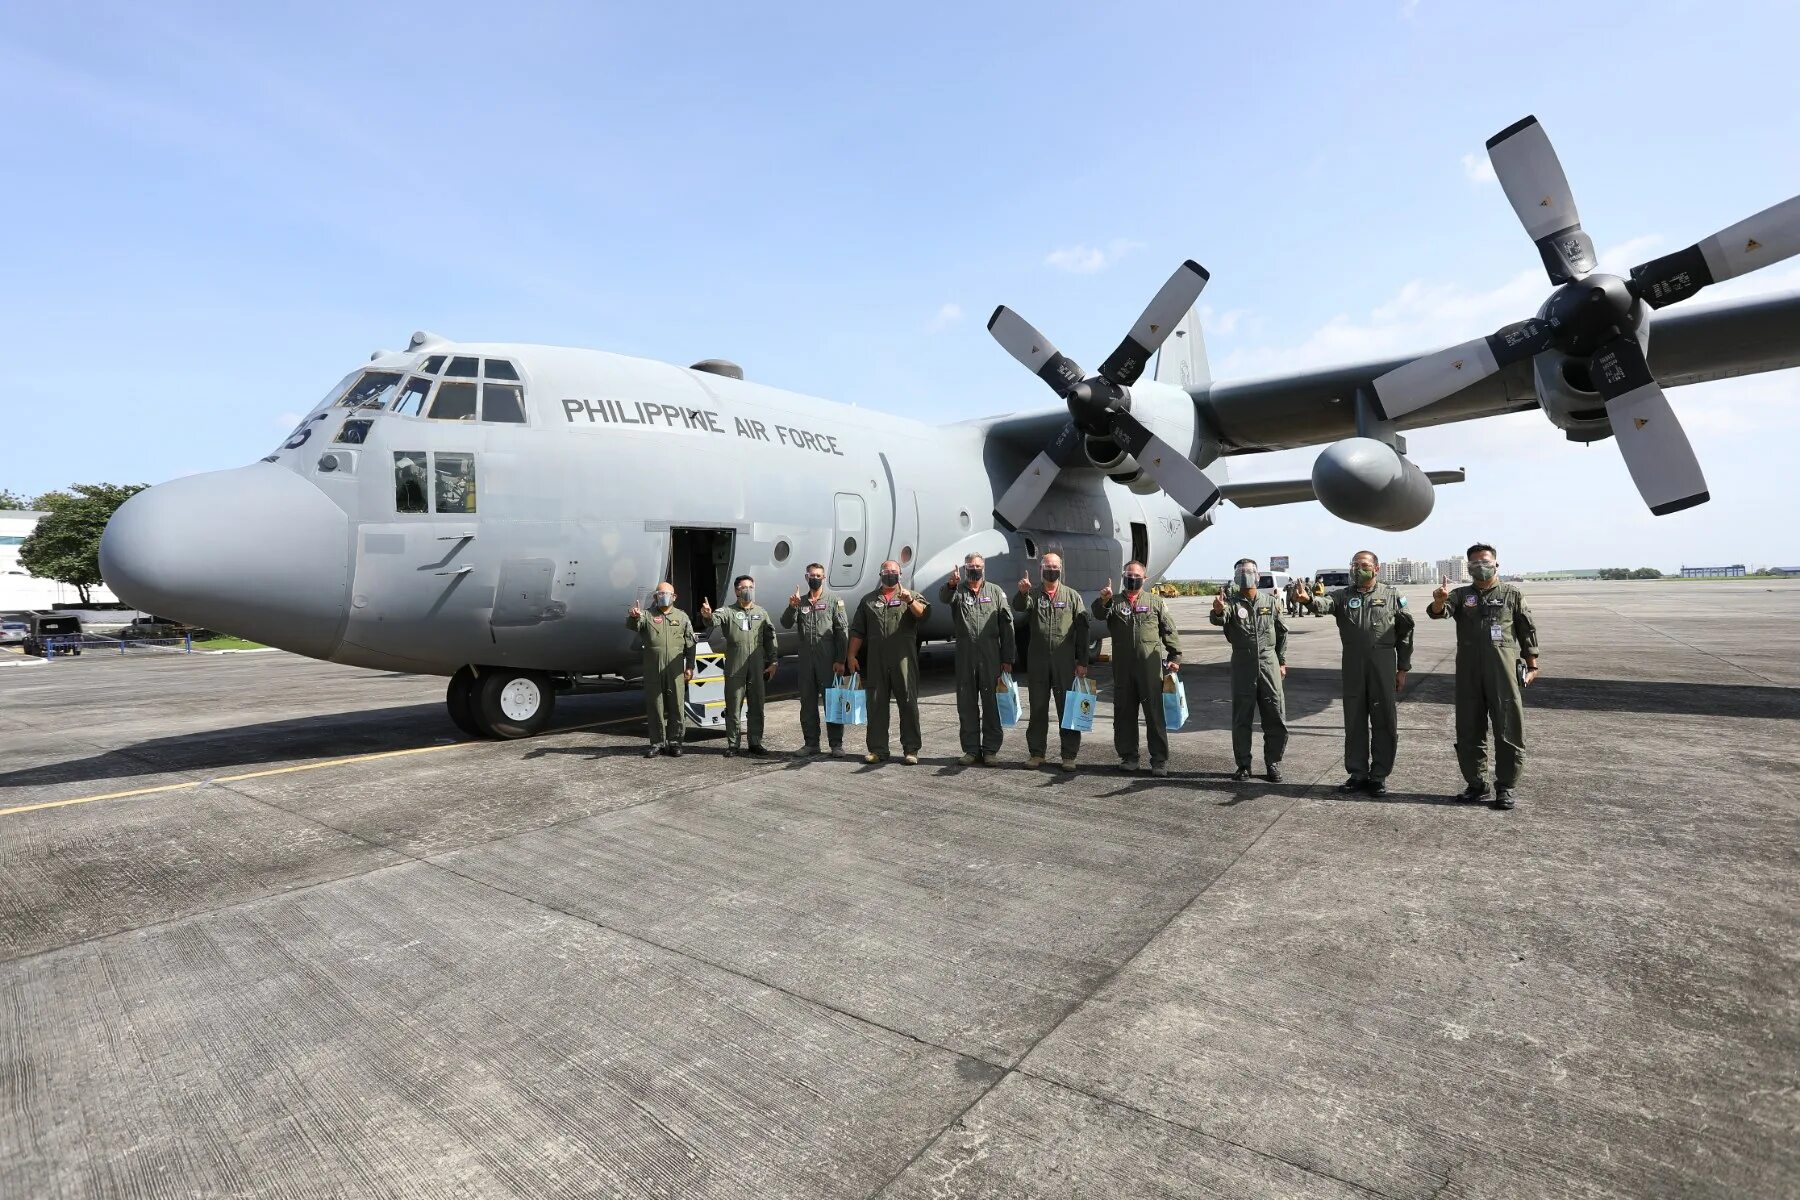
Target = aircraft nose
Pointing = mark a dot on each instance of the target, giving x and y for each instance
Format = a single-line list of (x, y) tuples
[(257, 552)]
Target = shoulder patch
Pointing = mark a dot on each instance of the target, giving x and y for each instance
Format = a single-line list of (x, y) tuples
[(1402, 601)]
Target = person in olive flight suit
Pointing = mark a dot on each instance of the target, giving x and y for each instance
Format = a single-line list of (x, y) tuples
[(824, 625), (1377, 635), (1146, 647), (747, 635), (886, 623), (1494, 630), (1056, 621), (667, 638), (1257, 630), (984, 651)]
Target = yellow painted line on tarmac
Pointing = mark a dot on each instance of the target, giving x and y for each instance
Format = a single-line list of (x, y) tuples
[(318, 766)]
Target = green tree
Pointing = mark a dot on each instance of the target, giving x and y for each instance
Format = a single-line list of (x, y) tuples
[(65, 546), (1646, 573), (11, 500)]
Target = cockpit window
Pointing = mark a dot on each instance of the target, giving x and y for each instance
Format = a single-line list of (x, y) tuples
[(502, 402), (373, 390), (454, 402), (411, 400), (463, 367), (409, 482), (455, 482), (499, 368), (434, 364)]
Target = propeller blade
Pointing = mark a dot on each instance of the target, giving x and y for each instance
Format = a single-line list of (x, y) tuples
[(1770, 236), (1173, 471), (1166, 308), (1028, 489), (1656, 450), (1412, 386), (1526, 164), (1019, 339)]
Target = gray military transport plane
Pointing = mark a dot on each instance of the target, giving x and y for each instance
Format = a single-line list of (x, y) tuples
[(489, 511)]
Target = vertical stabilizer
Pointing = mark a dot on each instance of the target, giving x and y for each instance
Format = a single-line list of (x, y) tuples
[(1182, 359)]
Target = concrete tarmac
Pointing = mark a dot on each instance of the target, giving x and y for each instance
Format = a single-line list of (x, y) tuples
[(292, 936)]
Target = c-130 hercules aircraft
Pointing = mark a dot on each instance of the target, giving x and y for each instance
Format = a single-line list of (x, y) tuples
[(483, 510)]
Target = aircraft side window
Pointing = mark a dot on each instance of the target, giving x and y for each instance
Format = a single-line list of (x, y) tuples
[(502, 402), (373, 390), (411, 401), (409, 482), (463, 367), (453, 402), (355, 431), (499, 368), (455, 482)]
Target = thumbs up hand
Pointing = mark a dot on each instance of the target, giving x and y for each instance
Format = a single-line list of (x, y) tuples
[(1442, 593), (1106, 593), (1219, 603), (1024, 583), (635, 612), (706, 610), (956, 577), (794, 600)]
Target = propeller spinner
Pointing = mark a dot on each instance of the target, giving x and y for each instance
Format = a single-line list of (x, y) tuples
[(1596, 317), (1100, 405)]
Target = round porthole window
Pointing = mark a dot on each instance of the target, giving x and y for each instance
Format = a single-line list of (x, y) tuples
[(782, 550), (849, 545), (963, 517), (905, 555)]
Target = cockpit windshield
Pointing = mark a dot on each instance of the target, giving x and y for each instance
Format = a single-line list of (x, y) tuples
[(372, 389), (459, 388)]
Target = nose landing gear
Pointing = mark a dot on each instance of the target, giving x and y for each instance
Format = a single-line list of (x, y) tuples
[(500, 702)]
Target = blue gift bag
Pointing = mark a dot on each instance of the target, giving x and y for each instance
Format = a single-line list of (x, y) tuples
[(1175, 710), (1078, 706), (1006, 698), (846, 703)]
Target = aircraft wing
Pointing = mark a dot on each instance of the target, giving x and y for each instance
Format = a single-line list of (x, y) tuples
[(1264, 493), (1687, 345)]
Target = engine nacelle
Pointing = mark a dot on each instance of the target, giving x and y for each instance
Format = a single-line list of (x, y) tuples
[(1167, 412), (1367, 481), (1566, 390)]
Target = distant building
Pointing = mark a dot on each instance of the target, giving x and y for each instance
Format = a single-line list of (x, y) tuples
[(1734, 570), (1456, 569), (19, 589)]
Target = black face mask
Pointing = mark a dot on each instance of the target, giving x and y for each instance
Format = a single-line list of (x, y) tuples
[(1051, 574), (972, 574), (890, 579), (815, 582), (1133, 582)]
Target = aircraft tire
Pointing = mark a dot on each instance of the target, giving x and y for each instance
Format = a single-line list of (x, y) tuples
[(512, 704), (459, 699)]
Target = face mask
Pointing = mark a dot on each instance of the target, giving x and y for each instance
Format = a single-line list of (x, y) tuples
[(1363, 574), (1133, 582), (890, 579), (815, 582), (1051, 574), (747, 595), (1483, 571), (972, 574), (663, 599), (1246, 579)]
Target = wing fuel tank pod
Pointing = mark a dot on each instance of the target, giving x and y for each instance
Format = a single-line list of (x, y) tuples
[(1366, 481)]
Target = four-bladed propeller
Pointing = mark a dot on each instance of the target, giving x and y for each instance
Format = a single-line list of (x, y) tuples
[(1596, 317), (1100, 405)]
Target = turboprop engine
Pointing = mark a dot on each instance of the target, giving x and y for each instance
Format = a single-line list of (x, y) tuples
[(1367, 481)]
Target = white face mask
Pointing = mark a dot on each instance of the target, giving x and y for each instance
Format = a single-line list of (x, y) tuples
[(663, 599)]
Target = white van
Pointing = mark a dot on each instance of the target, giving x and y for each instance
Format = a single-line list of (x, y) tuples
[(1274, 581)]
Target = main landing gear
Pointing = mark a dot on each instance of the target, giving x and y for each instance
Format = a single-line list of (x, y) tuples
[(500, 702)]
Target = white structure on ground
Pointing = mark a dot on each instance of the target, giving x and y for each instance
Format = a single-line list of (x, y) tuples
[(19, 589)]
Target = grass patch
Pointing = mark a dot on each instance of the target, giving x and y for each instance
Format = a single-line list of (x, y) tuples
[(227, 643)]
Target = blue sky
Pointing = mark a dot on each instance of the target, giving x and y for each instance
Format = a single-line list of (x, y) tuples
[(216, 211)]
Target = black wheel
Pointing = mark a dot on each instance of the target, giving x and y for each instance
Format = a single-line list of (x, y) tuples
[(513, 704), (460, 700)]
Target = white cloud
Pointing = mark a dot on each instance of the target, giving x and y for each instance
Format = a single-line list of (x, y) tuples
[(1220, 324), (1478, 169), (947, 315), (1088, 260), (288, 420)]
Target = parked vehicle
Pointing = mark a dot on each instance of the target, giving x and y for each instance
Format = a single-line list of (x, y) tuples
[(12, 633), (47, 631)]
